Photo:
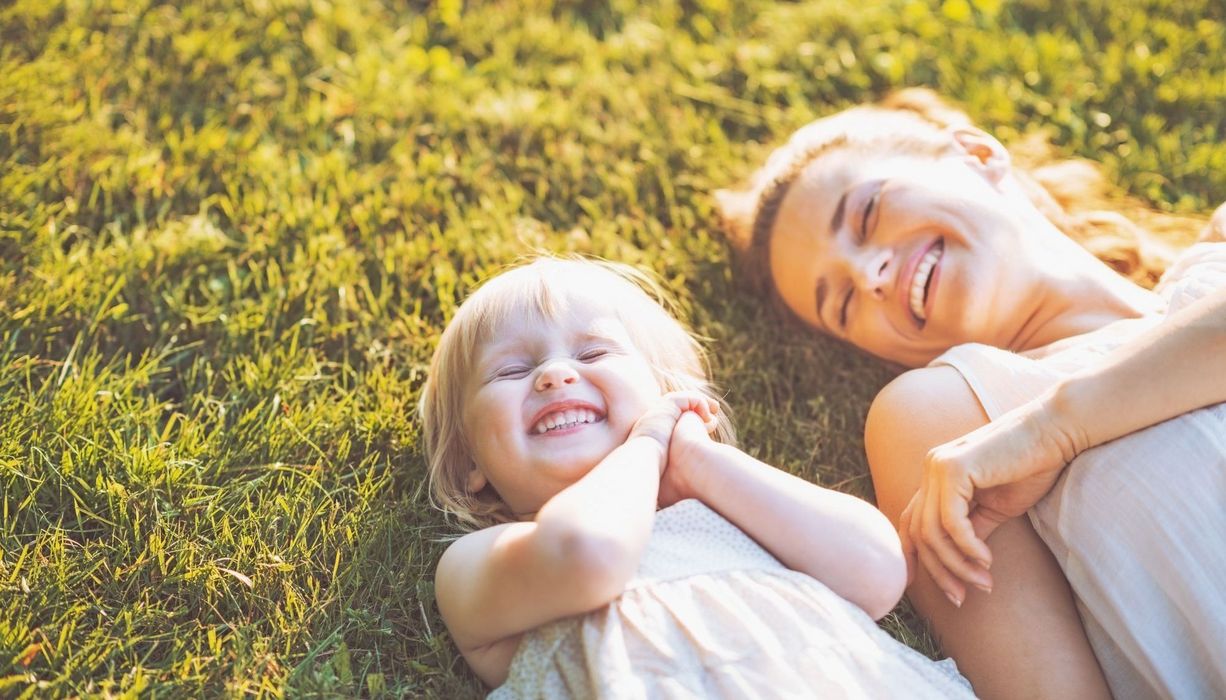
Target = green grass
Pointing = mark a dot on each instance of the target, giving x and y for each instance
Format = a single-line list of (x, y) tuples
[(230, 234)]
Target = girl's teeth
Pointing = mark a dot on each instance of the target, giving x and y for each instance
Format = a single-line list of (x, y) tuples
[(565, 419)]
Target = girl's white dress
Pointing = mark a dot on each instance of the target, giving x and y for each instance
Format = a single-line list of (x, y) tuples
[(711, 614), (1139, 524)]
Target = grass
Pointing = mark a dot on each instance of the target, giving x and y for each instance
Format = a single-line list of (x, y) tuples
[(231, 232)]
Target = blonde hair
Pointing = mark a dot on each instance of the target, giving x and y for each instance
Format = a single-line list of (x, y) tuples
[(1072, 194), (544, 288)]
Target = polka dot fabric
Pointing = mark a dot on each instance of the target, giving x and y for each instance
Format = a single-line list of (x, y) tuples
[(710, 614)]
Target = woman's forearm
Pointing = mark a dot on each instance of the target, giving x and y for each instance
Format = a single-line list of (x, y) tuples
[(1174, 368)]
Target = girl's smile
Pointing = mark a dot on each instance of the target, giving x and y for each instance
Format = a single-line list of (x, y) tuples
[(565, 418)]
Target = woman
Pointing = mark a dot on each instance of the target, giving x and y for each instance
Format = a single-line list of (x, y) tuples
[(909, 233)]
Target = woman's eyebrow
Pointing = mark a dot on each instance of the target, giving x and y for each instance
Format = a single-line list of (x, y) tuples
[(837, 220)]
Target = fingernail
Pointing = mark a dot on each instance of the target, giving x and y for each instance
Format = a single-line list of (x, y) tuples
[(984, 587), (984, 563), (953, 599)]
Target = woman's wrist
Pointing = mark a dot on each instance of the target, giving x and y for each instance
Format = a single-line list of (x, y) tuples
[(1059, 418)]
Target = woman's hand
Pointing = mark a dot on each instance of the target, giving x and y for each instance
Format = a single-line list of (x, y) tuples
[(973, 484)]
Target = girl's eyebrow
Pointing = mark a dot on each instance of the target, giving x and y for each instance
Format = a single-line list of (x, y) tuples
[(597, 335)]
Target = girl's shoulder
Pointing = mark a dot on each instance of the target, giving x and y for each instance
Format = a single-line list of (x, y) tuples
[(1198, 271)]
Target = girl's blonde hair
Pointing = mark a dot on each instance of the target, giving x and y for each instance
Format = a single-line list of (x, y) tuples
[(1072, 194), (543, 289)]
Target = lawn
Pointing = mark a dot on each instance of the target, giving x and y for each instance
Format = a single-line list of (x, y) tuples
[(231, 232)]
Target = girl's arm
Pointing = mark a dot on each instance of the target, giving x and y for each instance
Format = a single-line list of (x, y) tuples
[(575, 556), (839, 539), (997, 472)]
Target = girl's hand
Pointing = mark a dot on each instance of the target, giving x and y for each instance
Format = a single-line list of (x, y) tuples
[(1215, 230), (690, 436), (661, 419), (973, 484)]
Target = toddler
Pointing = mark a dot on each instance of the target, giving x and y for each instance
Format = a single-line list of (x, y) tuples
[(620, 544)]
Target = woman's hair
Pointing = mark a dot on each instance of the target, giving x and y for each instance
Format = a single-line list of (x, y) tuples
[(1072, 194), (543, 289)]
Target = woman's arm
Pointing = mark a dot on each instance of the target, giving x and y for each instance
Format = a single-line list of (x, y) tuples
[(836, 538), (1025, 639), (1176, 367), (997, 472)]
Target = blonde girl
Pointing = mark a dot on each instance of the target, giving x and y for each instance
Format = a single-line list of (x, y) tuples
[(619, 544)]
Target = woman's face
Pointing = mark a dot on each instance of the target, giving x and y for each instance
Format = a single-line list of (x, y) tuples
[(906, 256)]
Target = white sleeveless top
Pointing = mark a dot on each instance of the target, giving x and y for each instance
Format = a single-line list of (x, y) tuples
[(1138, 524), (711, 614)]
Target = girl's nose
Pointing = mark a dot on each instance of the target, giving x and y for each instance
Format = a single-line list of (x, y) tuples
[(873, 271), (555, 374)]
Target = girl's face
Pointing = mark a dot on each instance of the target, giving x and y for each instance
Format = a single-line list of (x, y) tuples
[(905, 256), (548, 400)]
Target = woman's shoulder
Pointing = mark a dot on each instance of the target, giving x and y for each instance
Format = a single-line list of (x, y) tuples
[(925, 406), (933, 393)]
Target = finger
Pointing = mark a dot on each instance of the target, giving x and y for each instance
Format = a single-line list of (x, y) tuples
[(913, 524), (908, 545), (985, 521), (694, 401), (934, 548), (949, 584), (965, 570), (955, 519)]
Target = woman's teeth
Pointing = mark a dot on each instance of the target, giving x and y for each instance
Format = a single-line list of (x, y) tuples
[(565, 419), (919, 283)]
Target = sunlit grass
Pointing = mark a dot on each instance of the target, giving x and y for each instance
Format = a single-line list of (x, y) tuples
[(230, 234)]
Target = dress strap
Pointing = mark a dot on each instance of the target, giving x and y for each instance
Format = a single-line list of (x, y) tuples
[(1000, 379)]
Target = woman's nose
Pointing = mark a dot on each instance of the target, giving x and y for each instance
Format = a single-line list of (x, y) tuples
[(873, 270), (555, 374)]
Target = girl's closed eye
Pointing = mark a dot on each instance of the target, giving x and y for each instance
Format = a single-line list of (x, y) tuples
[(593, 354), (512, 372)]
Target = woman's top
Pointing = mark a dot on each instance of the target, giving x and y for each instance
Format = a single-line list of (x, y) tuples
[(711, 614), (1138, 524)]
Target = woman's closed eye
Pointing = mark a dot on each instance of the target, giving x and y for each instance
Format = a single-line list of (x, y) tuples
[(844, 306), (867, 220)]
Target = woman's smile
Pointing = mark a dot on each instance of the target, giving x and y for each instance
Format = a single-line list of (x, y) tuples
[(922, 271)]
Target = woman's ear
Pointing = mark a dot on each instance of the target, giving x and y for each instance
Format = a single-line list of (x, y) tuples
[(736, 209), (475, 481), (983, 152)]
